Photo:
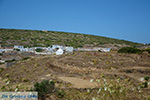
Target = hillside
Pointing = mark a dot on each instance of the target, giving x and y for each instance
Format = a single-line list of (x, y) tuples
[(47, 38), (123, 74)]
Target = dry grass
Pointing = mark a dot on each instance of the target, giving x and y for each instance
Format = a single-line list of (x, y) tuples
[(84, 66)]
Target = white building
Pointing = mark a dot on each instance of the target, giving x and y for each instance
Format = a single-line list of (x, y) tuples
[(105, 49), (54, 49), (2, 61), (5, 50), (49, 49), (59, 52), (57, 46), (1, 50), (18, 47), (68, 49), (24, 49)]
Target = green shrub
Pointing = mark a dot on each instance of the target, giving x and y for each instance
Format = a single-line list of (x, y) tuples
[(25, 80), (129, 50), (38, 50), (26, 58), (129, 71), (60, 93), (7, 75), (99, 51), (45, 87), (148, 50), (144, 85), (146, 78), (95, 61), (1, 54), (1, 69), (2, 63), (17, 49), (10, 60)]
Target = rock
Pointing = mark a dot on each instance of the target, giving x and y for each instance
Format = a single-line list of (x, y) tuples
[(48, 75), (43, 78)]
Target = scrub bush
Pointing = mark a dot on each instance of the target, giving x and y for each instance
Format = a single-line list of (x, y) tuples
[(148, 50), (43, 88), (38, 50), (130, 50)]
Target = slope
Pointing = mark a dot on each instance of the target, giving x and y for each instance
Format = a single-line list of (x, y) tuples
[(47, 38)]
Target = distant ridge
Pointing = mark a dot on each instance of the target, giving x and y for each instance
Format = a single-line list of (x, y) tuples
[(47, 38)]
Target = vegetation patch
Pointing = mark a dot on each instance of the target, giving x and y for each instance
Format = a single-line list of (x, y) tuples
[(1, 69), (10, 60), (38, 50), (40, 38), (44, 87), (130, 50), (2, 63), (148, 50), (129, 71), (105, 90), (1, 54), (26, 58), (145, 84)]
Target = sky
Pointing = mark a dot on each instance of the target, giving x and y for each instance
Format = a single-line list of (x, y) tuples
[(120, 19)]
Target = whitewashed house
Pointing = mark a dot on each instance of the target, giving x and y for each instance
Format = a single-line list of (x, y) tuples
[(5, 50), (18, 47), (68, 49), (2, 61), (57, 46), (59, 51), (24, 49), (105, 49), (49, 49), (54, 49), (31, 50), (1, 50)]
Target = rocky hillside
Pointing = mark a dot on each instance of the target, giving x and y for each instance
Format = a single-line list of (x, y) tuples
[(47, 38)]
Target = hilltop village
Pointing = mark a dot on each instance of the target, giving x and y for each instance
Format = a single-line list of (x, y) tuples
[(8, 55), (54, 49)]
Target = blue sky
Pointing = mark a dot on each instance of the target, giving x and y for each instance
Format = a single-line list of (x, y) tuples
[(121, 19)]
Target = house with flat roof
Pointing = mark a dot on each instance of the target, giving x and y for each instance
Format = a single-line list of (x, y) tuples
[(18, 47)]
